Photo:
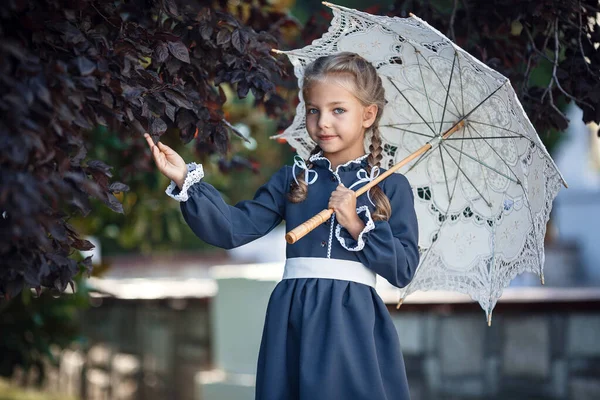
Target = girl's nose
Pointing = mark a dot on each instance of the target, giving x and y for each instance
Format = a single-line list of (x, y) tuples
[(323, 121)]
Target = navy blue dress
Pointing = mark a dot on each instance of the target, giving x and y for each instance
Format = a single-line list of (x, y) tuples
[(323, 339)]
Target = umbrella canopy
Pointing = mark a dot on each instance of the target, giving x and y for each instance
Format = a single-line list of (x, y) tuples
[(483, 195)]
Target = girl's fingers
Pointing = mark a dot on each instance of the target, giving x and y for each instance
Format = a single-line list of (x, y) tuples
[(340, 196), (149, 140), (155, 153), (158, 147), (166, 149)]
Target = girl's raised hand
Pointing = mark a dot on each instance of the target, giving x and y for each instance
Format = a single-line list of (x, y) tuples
[(169, 163), (343, 202)]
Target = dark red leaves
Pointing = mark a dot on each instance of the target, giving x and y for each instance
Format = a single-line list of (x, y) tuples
[(118, 187), (178, 99), (223, 37), (85, 66), (239, 40), (100, 166), (67, 68), (170, 7), (158, 126), (161, 52), (179, 51)]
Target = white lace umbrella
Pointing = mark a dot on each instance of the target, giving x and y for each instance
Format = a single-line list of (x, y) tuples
[(483, 192)]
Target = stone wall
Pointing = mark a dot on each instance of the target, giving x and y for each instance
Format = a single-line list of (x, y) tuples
[(525, 354)]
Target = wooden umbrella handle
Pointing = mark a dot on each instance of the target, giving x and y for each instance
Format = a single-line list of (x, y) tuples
[(300, 231)]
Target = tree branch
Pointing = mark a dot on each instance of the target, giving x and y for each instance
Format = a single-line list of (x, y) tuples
[(102, 15), (526, 75), (237, 132), (554, 77), (581, 44), (556, 108), (551, 83), (452, 18), (534, 47)]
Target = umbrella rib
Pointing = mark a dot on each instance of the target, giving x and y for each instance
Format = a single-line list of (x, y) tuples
[(412, 123), (462, 97), (455, 179), (450, 198), (407, 130), (499, 127), (467, 177), (484, 100), (448, 93), (489, 137), (440, 104), (482, 163), (440, 79), (522, 188), (494, 150), (425, 90), (445, 175), (413, 107), (521, 136), (487, 186), (423, 156), (432, 100)]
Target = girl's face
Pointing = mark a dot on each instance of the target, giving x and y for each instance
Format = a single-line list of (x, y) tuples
[(337, 121)]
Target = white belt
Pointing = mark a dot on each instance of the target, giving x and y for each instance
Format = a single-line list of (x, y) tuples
[(328, 268)]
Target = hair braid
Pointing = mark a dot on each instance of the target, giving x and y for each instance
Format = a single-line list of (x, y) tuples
[(383, 209), (299, 191)]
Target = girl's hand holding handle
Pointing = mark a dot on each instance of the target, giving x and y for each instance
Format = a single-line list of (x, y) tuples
[(169, 163), (343, 202)]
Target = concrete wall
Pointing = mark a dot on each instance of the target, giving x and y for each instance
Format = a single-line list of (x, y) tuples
[(544, 343)]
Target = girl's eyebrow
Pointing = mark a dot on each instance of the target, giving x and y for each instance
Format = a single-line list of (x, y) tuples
[(333, 103)]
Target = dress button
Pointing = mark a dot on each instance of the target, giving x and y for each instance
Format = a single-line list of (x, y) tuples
[(323, 243)]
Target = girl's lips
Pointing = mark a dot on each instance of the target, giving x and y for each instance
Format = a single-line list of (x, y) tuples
[(327, 137)]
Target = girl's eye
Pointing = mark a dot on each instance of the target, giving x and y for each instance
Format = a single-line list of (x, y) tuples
[(335, 111)]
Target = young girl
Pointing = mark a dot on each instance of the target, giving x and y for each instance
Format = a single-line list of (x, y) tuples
[(327, 333)]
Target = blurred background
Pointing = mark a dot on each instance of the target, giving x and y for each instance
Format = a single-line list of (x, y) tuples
[(151, 311)]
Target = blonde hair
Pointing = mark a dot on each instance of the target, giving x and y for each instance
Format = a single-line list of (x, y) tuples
[(359, 77)]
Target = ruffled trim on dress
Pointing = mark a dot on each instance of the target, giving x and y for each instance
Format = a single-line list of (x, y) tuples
[(344, 237), (319, 157), (194, 175)]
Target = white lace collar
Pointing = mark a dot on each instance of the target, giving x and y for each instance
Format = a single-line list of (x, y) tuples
[(319, 157)]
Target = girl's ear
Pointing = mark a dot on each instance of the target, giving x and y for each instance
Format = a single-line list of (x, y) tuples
[(369, 115)]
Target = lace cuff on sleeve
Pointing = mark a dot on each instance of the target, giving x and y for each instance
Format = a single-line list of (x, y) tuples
[(194, 175), (344, 237)]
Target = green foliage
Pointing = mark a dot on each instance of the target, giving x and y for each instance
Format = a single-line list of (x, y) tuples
[(31, 325)]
